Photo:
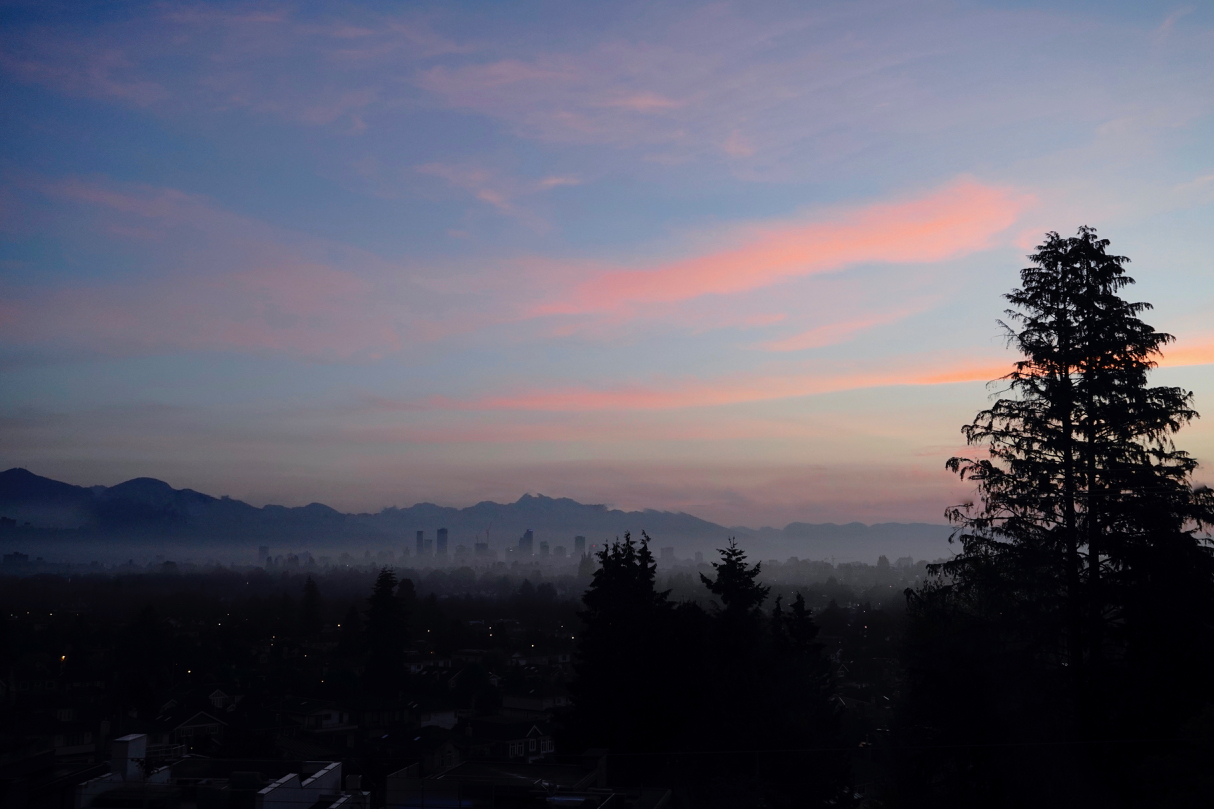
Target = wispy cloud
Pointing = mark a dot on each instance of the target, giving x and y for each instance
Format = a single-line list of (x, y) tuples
[(83, 68), (749, 388), (557, 182), (230, 284), (677, 394), (961, 218), (642, 102), (833, 333), (1169, 22), (317, 70), (498, 189)]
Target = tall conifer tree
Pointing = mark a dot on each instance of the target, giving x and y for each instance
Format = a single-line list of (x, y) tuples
[(386, 635), (1088, 523), (1083, 483), (621, 671), (310, 608)]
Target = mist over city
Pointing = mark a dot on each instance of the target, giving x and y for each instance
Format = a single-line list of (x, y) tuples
[(622, 406)]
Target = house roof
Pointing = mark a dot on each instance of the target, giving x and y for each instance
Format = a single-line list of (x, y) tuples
[(176, 718)]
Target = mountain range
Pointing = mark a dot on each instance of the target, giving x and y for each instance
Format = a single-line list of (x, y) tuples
[(146, 511)]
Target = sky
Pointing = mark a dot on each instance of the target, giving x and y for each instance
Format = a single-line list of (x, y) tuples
[(743, 260)]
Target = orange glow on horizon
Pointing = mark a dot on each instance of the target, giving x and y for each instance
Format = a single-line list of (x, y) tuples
[(746, 389)]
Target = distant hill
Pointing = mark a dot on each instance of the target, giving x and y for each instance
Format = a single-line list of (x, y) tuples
[(146, 510)]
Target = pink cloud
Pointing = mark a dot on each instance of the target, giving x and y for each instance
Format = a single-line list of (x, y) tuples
[(834, 333), (736, 145), (593, 431), (748, 388), (958, 219), (642, 102), (722, 391), (1185, 353), (557, 182), (591, 97)]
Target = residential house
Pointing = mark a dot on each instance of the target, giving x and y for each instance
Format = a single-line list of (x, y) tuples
[(185, 726), (506, 737), (314, 715)]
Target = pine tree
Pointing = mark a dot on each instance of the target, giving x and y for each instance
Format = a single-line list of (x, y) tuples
[(739, 619), (406, 595), (740, 631), (586, 566), (386, 635), (350, 639), (735, 582), (771, 689), (621, 669), (797, 709), (1083, 483), (1088, 520), (310, 609)]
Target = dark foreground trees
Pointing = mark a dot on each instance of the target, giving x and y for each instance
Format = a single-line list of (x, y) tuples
[(386, 635), (733, 706), (1062, 652)]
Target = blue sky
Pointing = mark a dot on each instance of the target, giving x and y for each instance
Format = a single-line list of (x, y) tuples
[(743, 260)]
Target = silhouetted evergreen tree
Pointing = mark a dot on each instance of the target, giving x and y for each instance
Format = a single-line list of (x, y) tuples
[(801, 710), (310, 609), (386, 635), (735, 583), (407, 594), (350, 637), (708, 696), (585, 566), (621, 668), (739, 633), (771, 691), (1082, 552)]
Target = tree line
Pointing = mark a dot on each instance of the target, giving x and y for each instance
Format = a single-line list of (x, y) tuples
[(689, 693)]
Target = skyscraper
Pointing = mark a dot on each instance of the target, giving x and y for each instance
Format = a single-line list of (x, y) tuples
[(440, 546), (543, 549), (526, 542), (579, 545), (421, 542)]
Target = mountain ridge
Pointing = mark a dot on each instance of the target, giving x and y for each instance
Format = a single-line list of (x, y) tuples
[(147, 510)]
